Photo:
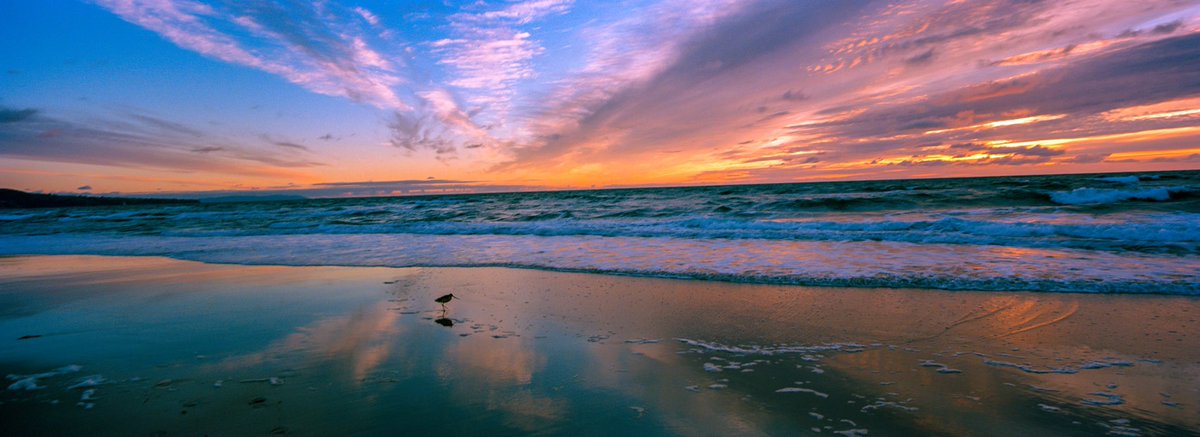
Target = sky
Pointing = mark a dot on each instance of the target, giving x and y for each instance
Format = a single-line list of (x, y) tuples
[(353, 98)]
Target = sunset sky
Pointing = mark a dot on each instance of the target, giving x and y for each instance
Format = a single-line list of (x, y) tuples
[(382, 97)]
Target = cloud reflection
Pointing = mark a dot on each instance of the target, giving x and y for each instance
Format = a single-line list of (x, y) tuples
[(363, 340)]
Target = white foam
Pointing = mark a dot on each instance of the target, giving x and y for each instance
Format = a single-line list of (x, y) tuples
[(16, 217), (640, 341), (941, 368), (802, 390), (1049, 408), (1103, 399), (936, 263), (1065, 370), (1105, 364), (1032, 369), (1121, 179), (1124, 431), (774, 350), (25, 384), (1085, 196), (90, 381), (887, 404), (30, 382), (852, 432)]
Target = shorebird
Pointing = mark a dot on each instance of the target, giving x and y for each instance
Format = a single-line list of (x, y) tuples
[(442, 300)]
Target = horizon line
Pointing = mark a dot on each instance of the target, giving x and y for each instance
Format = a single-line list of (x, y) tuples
[(462, 187)]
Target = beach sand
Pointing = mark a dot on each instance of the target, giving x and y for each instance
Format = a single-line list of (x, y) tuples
[(153, 346)]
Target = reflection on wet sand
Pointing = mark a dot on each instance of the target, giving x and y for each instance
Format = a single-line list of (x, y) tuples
[(362, 339), (336, 349), (498, 375)]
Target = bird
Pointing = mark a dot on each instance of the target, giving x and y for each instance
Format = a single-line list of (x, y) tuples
[(442, 300)]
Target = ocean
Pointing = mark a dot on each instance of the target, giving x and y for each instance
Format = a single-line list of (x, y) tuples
[(1127, 233)]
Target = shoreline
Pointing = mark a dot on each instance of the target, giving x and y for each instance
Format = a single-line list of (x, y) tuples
[(535, 350), (802, 263)]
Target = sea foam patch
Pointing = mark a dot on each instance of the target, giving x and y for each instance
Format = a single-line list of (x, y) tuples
[(30, 382)]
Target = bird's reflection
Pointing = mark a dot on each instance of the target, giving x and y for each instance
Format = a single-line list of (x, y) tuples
[(444, 322)]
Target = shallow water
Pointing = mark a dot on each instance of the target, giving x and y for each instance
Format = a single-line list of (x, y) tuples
[(174, 347)]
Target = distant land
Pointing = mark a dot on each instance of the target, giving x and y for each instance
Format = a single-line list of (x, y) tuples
[(20, 199)]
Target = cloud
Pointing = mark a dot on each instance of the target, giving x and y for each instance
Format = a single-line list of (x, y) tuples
[(291, 145), (315, 47), (1145, 73), (367, 15), (166, 125), (965, 149), (446, 109), (136, 140), (625, 58), (84, 188), (415, 132), (527, 11), (1088, 158), (704, 83), (429, 181), (793, 96), (756, 89), (491, 59), (15, 115), (488, 55), (491, 52), (428, 186), (1166, 28), (921, 59), (438, 124), (1161, 29), (405, 187), (284, 144)]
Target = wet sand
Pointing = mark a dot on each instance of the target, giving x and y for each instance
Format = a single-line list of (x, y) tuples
[(152, 346)]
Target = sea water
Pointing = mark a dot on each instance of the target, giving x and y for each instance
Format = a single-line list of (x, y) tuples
[(1128, 233)]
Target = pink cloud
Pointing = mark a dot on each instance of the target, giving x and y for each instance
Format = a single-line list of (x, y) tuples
[(527, 12), (367, 15), (490, 54), (343, 66), (664, 81)]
